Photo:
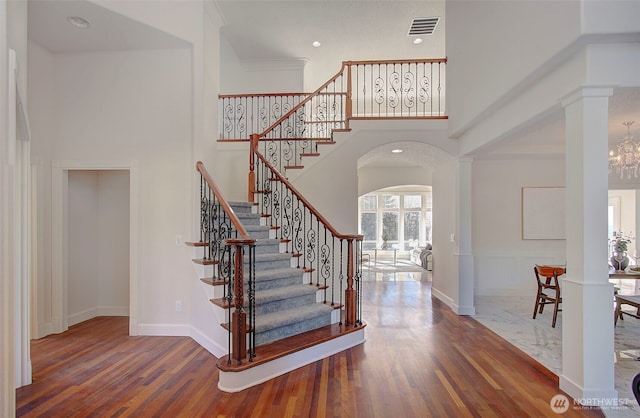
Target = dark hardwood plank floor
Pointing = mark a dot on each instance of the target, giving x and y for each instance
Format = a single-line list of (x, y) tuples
[(419, 360)]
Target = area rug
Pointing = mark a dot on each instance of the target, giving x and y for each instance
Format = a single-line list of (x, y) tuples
[(387, 271), (388, 266)]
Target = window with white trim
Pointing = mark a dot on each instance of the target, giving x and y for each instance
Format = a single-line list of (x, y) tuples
[(401, 219)]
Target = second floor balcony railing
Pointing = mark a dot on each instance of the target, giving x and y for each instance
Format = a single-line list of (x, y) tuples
[(394, 89)]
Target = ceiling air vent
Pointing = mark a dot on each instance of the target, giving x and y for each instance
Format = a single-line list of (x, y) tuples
[(423, 25)]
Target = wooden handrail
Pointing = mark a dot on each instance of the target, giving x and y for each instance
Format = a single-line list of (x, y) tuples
[(242, 232), (233, 96), (303, 102), (346, 64), (403, 61), (313, 210)]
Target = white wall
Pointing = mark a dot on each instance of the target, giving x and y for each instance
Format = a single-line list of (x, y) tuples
[(84, 241), (503, 260), (509, 44), (113, 230), (251, 77), (130, 106), (445, 268), (374, 178), (98, 255), (42, 114), (7, 307), (339, 163)]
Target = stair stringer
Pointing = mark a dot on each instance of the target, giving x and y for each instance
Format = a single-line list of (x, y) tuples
[(238, 381), (211, 338), (339, 138)]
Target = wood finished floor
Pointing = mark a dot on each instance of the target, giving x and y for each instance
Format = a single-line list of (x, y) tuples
[(419, 360)]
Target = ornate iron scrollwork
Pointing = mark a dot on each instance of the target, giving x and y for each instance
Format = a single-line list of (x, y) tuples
[(423, 90), (408, 90)]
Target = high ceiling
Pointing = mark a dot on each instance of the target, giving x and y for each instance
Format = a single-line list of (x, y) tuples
[(284, 30), (347, 30)]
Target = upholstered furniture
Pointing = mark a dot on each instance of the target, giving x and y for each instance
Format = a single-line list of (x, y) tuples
[(423, 257)]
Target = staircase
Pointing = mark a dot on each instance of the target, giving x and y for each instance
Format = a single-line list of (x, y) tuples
[(285, 303), (288, 282), (278, 311)]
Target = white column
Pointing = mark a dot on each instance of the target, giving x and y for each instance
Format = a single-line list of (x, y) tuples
[(7, 254), (464, 305), (587, 308)]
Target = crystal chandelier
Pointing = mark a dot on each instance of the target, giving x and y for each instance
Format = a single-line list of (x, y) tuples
[(626, 162)]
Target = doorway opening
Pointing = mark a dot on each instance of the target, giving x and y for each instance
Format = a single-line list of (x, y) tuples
[(94, 245)]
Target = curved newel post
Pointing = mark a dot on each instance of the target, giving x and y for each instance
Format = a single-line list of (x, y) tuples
[(238, 324), (253, 146), (352, 296), (350, 292), (218, 224)]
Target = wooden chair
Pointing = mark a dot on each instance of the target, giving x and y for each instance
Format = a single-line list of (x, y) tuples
[(633, 300), (548, 290)]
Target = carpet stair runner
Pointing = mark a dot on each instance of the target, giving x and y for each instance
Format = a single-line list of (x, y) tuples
[(284, 304)]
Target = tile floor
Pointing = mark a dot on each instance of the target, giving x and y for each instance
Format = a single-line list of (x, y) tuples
[(511, 319)]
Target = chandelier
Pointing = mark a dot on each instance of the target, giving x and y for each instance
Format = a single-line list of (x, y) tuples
[(626, 162)]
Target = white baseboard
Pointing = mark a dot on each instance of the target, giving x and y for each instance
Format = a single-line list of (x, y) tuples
[(208, 344), (459, 310), (237, 381), (166, 330), (442, 297), (579, 393)]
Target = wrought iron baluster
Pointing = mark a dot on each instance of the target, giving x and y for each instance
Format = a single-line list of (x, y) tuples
[(342, 279), (298, 244), (227, 267), (252, 303)]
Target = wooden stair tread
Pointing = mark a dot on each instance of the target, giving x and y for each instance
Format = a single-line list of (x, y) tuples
[(205, 262), (222, 302), (310, 154), (277, 349), (214, 282), (196, 244), (334, 306), (293, 167)]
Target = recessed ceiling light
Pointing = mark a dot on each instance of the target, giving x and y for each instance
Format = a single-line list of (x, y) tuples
[(417, 41), (78, 22), (316, 44), (396, 151)]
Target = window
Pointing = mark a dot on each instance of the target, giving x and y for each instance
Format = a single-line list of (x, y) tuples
[(368, 226), (390, 226), (411, 229), (403, 219)]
